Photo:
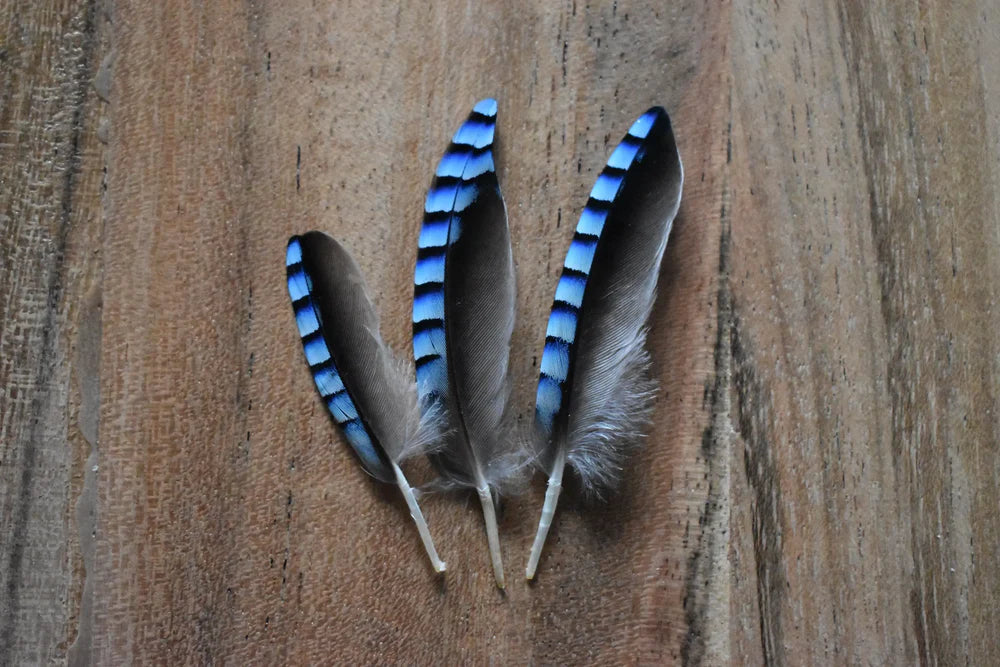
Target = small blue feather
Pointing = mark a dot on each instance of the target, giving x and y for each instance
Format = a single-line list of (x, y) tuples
[(324, 371)]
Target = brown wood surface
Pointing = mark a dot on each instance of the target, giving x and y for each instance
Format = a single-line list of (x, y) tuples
[(822, 483)]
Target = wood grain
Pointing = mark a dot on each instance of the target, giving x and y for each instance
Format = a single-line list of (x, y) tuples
[(822, 480), (51, 171)]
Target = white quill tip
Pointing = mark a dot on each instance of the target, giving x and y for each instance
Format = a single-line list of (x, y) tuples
[(418, 518), (548, 511)]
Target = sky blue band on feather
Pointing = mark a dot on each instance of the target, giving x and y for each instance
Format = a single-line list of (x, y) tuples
[(562, 325), (453, 164), (298, 285), (475, 133), (459, 177), (434, 234), (429, 306), (464, 196), (428, 342), (429, 270), (560, 334), (361, 440), (570, 289), (641, 127), (293, 254), (342, 408), (431, 373), (478, 164), (328, 381), (548, 400), (607, 186), (441, 199), (581, 255), (623, 155), (592, 221), (486, 106), (316, 351), (306, 320), (555, 359)]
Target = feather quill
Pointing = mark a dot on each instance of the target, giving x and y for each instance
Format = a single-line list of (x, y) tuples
[(463, 316), (364, 386), (595, 394)]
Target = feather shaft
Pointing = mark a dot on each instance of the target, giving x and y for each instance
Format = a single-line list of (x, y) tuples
[(492, 533), (418, 518), (548, 511)]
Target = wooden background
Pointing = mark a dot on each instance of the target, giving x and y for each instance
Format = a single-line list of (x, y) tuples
[(821, 485)]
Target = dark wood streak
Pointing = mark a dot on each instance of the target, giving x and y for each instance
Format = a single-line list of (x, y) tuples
[(753, 408), (716, 438), (35, 341)]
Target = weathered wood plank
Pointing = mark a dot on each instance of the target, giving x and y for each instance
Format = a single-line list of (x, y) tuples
[(864, 266), (822, 479), (232, 132), (50, 216)]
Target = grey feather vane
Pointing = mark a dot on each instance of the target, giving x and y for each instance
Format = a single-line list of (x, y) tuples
[(463, 315), (366, 389), (595, 394)]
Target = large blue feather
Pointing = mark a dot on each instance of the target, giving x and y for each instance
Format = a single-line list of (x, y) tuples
[(463, 314), (552, 396), (594, 396)]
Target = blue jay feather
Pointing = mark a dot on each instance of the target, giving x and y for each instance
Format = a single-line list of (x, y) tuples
[(463, 302), (552, 398), (594, 397), (365, 388), (466, 168), (463, 314), (329, 383)]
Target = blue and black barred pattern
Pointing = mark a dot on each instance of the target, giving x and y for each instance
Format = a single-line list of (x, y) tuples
[(466, 168), (552, 397), (324, 371)]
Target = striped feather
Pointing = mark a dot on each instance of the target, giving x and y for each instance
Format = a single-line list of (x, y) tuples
[(594, 396), (361, 383), (466, 167), (463, 315), (329, 384)]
